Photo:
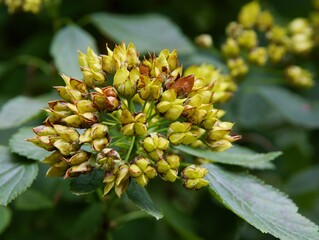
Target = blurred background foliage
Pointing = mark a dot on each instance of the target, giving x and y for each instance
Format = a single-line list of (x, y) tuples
[(264, 116)]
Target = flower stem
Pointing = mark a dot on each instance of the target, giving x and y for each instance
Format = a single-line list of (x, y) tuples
[(130, 149)]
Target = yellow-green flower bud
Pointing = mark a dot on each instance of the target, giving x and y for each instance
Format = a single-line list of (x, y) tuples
[(67, 133), (84, 106), (78, 158), (73, 91), (99, 144), (117, 178), (237, 67), (142, 171), (42, 142), (219, 131), (220, 145), (99, 130), (212, 117), (73, 121), (204, 40), (300, 43), (299, 25), (44, 130), (248, 14), (277, 35), (299, 77), (170, 106), (58, 169), (155, 145), (247, 39), (79, 169), (86, 136), (149, 89), (276, 52), (91, 67), (65, 147), (180, 133), (264, 21), (107, 158), (258, 56), (135, 171), (230, 48), (133, 125), (53, 158), (106, 99), (125, 81), (193, 177), (168, 169), (234, 29), (173, 160), (162, 166)]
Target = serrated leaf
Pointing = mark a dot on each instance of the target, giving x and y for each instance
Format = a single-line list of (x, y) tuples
[(20, 146), (15, 176), (19, 110), (234, 156), (292, 107), (64, 49), (87, 183), (148, 32), (5, 218), (142, 200), (32, 200), (261, 205)]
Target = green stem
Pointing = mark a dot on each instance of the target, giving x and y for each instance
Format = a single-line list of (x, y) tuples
[(185, 164), (115, 119), (151, 117), (109, 123), (144, 105), (130, 149), (99, 193), (150, 109), (131, 106)]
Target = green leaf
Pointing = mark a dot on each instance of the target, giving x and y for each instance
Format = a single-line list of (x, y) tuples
[(261, 205), (64, 49), (87, 183), (149, 32), (253, 111), (292, 107), (15, 176), (19, 110), (5, 218), (32, 200), (20, 146), (142, 199), (234, 156)]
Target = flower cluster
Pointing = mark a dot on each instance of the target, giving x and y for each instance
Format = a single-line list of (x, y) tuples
[(257, 39), (32, 6), (127, 114)]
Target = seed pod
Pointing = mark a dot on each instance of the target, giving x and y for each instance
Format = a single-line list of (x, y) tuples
[(193, 177), (105, 99), (133, 124), (142, 171), (155, 145)]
